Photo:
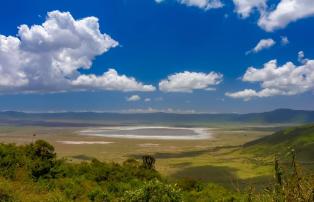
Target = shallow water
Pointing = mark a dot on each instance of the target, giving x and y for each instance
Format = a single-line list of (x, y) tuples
[(149, 132)]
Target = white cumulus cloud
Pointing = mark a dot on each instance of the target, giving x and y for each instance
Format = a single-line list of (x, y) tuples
[(133, 98), (188, 81), (275, 16), (301, 58), (245, 7), (288, 79), (202, 4), (286, 11), (48, 57), (284, 40), (111, 80), (262, 44)]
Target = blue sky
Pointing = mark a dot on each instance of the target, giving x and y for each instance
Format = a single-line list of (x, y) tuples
[(201, 53)]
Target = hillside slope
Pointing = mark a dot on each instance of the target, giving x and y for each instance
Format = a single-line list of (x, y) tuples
[(299, 138)]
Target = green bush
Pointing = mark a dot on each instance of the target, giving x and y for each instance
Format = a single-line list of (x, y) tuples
[(72, 188), (131, 163), (6, 196), (42, 160), (189, 184), (213, 192), (98, 195), (10, 160), (6, 192), (42, 150), (154, 191)]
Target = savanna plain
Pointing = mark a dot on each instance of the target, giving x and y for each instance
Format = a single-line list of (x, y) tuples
[(217, 158)]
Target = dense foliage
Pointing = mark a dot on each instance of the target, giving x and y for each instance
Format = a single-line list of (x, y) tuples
[(33, 173)]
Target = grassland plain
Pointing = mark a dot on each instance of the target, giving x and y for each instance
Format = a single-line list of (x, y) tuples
[(32, 172), (217, 159)]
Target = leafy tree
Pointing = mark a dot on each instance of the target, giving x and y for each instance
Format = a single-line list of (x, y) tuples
[(41, 150), (148, 162), (43, 163)]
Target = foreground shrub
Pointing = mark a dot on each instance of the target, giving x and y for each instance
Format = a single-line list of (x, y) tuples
[(71, 188), (98, 195), (10, 160), (154, 191), (292, 183), (6, 196), (189, 184), (42, 159), (213, 192), (6, 193)]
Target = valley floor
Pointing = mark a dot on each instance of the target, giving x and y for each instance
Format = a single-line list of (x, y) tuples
[(218, 159)]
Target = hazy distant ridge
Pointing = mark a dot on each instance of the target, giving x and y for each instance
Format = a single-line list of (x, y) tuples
[(276, 116)]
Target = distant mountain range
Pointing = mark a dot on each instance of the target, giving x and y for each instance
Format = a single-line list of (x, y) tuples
[(279, 116)]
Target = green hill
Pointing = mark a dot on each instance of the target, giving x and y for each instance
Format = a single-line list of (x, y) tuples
[(299, 138)]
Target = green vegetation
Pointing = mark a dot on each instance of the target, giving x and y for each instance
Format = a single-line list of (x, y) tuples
[(211, 160), (300, 138), (291, 183), (32, 172)]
